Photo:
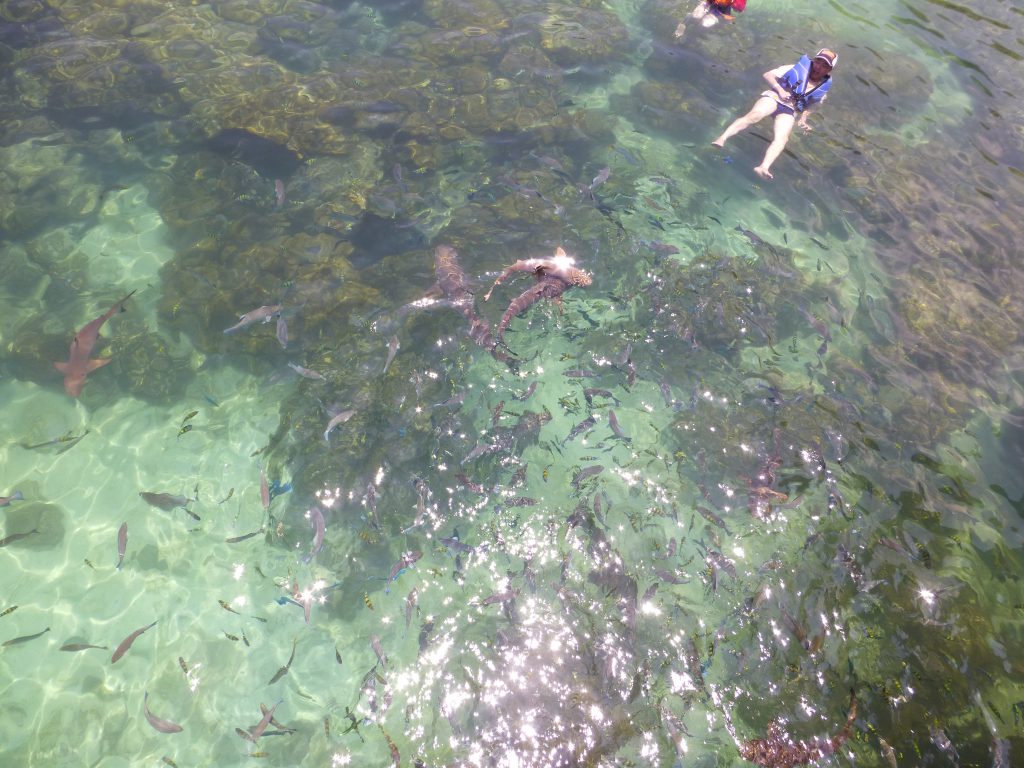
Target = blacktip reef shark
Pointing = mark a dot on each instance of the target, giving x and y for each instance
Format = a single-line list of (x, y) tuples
[(79, 365)]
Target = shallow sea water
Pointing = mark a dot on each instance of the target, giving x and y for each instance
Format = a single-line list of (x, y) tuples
[(814, 482)]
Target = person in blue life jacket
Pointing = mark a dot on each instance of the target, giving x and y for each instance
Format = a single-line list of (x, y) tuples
[(710, 12), (796, 91)]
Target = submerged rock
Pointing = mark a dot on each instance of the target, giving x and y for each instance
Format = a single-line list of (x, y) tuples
[(45, 186), (576, 36), (21, 11), (375, 237), (266, 157), (147, 369)]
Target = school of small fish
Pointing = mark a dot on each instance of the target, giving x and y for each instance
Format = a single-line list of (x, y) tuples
[(500, 443)]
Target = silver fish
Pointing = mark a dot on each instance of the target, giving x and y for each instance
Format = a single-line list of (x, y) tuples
[(525, 395), (455, 545), (586, 472), (591, 392), (613, 422), (500, 597), (284, 670), (340, 418), (122, 543), (666, 393), (942, 742), (712, 518), (422, 493), (262, 314), (410, 603), (816, 323), (165, 501), (257, 730), (16, 536), (670, 577), (316, 518), (474, 487), (601, 178), (122, 649), (63, 443), (519, 501), (379, 650), (164, 726), (405, 561), (275, 723), (720, 561), (282, 331), (396, 171), (25, 638), (264, 490), (243, 537), (392, 351), (454, 402), (479, 450), (583, 426), (6, 500), (888, 753), (307, 373), (1000, 753), (626, 355), (371, 497)]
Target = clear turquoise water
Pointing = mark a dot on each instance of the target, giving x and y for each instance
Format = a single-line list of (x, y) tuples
[(840, 515)]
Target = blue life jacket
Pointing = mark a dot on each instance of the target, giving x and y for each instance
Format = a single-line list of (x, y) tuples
[(795, 81)]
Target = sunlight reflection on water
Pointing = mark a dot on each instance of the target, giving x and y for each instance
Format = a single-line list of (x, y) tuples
[(767, 456)]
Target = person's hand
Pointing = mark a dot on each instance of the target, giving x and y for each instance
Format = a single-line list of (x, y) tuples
[(803, 124)]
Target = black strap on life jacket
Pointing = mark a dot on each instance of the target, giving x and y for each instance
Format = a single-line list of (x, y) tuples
[(800, 102)]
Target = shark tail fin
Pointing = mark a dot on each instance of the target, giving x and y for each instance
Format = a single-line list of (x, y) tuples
[(126, 299)]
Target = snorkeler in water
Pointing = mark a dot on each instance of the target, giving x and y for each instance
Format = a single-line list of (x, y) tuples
[(795, 90), (709, 12)]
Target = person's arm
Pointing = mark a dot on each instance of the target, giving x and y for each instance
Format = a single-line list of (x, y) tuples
[(772, 78), (802, 121)]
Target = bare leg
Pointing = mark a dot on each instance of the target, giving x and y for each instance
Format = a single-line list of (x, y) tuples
[(783, 127), (708, 17), (698, 13), (763, 107)]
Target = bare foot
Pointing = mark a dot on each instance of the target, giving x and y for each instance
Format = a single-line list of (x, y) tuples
[(764, 173), (718, 143), (680, 31)]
